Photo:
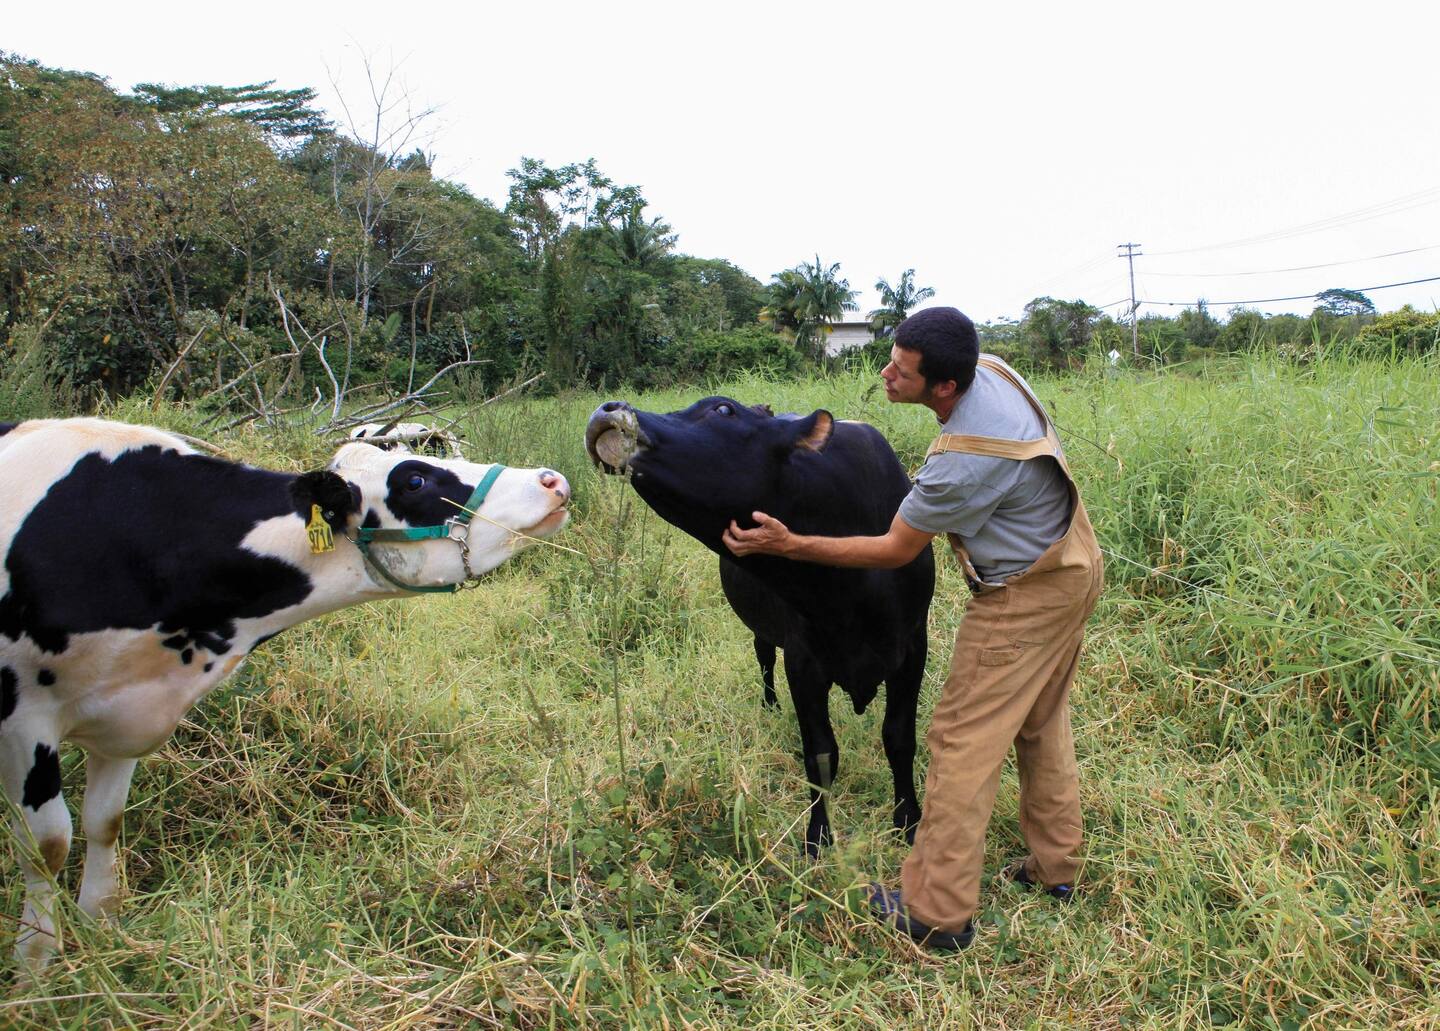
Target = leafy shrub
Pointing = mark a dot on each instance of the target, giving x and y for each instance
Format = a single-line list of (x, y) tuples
[(714, 354), (1404, 331)]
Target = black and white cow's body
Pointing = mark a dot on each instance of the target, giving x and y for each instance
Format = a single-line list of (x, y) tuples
[(718, 460), (409, 436), (138, 574)]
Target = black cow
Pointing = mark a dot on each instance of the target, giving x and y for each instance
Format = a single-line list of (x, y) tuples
[(719, 460), (137, 575)]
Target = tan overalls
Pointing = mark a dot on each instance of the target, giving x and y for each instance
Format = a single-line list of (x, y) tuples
[(1015, 658)]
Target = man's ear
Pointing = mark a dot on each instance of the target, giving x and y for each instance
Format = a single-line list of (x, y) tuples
[(813, 432), (337, 497)]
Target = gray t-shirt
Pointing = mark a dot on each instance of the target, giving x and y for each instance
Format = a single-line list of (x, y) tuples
[(1007, 512)]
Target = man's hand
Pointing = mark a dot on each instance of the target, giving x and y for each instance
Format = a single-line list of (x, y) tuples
[(769, 538)]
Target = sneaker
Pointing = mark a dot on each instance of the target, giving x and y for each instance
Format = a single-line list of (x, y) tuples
[(885, 906), (1017, 873)]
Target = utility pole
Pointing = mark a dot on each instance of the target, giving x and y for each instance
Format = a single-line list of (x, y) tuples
[(1130, 255)]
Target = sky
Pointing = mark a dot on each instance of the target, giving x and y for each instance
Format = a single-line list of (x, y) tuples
[(1254, 150)]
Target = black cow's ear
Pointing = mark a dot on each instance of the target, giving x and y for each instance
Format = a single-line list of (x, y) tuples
[(337, 497), (813, 432)]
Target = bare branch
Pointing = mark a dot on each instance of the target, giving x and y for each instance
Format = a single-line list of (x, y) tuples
[(373, 412), (512, 390), (165, 379)]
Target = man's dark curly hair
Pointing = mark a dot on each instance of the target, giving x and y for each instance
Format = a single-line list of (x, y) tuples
[(947, 343)]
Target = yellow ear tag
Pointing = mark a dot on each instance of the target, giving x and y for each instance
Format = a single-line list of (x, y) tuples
[(318, 530)]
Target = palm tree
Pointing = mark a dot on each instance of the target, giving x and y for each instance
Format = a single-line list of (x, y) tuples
[(638, 242), (803, 299), (896, 302), (781, 297)]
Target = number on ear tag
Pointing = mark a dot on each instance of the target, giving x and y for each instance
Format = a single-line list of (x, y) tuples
[(318, 530)]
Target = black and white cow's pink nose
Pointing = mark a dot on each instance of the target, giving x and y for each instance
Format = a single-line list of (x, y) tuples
[(555, 484)]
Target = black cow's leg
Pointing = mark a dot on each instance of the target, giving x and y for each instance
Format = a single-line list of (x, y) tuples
[(810, 694), (902, 696), (765, 655)]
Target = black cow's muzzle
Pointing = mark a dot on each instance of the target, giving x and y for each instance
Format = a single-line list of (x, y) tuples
[(613, 436)]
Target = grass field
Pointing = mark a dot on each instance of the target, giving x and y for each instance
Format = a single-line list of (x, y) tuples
[(556, 801)]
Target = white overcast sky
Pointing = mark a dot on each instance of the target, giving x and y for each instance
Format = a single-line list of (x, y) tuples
[(1001, 150)]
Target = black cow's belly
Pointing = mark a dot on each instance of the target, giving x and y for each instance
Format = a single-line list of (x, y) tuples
[(842, 650)]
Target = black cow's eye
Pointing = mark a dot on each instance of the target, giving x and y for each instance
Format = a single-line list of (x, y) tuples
[(414, 482), (724, 409)]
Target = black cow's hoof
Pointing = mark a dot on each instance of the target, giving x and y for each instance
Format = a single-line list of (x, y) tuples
[(817, 840), (906, 818)]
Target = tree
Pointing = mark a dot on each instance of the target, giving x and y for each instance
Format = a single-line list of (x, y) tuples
[(545, 201), (1056, 332), (636, 242), (1244, 329), (1197, 326), (897, 302), (281, 114), (803, 299), (1340, 302), (710, 293)]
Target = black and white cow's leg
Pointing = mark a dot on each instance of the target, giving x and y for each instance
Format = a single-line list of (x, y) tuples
[(107, 783), (902, 697), (30, 770), (810, 694), (765, 655)]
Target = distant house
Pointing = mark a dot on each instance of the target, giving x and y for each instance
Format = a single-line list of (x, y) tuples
[(850, 331)]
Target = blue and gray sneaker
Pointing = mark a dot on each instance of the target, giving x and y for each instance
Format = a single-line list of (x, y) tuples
[(885, 906), (1017, 873)]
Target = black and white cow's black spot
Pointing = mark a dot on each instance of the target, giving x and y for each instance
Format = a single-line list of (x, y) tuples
[(151, 556), (8, 694)]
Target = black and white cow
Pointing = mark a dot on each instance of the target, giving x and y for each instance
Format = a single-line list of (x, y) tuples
[(408, 437), (138, 574), (719, 460)]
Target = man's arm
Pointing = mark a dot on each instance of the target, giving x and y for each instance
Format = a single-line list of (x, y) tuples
[(899, 545)]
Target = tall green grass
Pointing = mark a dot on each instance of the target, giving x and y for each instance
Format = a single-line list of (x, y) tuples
[(417, 815)]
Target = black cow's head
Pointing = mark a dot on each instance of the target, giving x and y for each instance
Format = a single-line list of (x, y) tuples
[(702, 466)]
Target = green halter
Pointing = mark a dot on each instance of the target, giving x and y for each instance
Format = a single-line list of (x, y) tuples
[(456, 528)]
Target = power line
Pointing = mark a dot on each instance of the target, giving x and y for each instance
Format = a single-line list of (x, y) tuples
[(1294, 297), (1297, 268), (1389, 207), (1077, 270)]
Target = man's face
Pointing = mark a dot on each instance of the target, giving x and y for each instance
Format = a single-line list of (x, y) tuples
[(903, 382)]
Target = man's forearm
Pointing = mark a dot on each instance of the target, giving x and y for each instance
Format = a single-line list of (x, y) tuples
[(854, 552)]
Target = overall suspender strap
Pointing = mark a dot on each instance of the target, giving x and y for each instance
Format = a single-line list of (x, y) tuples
[(994, 447), (1006, 373), (1002, 447)]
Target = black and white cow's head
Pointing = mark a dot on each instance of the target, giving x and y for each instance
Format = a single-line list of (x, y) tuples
[(398, 491), (702, 466)]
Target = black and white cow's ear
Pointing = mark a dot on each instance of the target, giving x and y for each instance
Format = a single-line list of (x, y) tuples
[(813, 432), (337, 497)]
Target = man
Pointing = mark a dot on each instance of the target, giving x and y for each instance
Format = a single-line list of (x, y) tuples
[(996, 482)]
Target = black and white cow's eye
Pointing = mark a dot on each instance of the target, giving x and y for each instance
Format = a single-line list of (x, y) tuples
[(724, 409), (414, 482)]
